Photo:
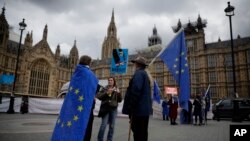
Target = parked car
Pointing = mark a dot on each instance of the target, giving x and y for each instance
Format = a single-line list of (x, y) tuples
[(236, 109)]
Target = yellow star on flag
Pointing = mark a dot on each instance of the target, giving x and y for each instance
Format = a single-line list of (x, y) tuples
[(182, 53), (186, 65), (80, 98), (75, 118), (76, 91), (62, 124), (175, 65), (69, 123), (80, 108), (71, 88), (177, 72), (182, 71), (176, 59), (58, 121)]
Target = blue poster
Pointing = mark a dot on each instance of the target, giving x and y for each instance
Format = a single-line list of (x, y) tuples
[(119, 61)]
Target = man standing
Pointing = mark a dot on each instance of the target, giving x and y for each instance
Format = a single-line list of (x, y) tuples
[(75, 113), (138, 102)]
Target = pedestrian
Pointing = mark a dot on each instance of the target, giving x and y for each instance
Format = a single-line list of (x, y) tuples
[(173, 106), (138, 101), (190, 110), (197, 110), (88, 133), (110, 97), (207, 108), (74, 117), (165, 109)]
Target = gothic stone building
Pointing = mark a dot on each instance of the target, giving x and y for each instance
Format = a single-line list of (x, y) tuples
[(40, 71), (209, 63)]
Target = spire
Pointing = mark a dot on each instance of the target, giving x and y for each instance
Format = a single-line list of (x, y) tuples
[(58, 51), (3, 10), (74, 43), (154, 30), (113, 17), (155, 38), (199, 22), (45, 32), (74, 55), (178, 27), (112, 27), (179, 24)]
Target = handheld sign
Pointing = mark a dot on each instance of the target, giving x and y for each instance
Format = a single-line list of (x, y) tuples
[(119, 61)]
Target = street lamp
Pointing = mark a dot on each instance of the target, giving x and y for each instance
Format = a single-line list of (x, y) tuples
[(12, 97), (230, 12)]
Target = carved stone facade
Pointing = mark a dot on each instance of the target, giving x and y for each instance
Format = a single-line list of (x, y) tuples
[(209, 63), (40, 72)]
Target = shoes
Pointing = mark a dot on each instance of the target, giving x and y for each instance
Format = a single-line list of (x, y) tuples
[(195, 124)]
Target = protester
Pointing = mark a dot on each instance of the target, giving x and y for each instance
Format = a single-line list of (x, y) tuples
[(173, 106), (91, 119), (138, 102), (110, 97), (207, 108), (165, 109), (190, 110), (198, 110), (76, 109), (88, 133)]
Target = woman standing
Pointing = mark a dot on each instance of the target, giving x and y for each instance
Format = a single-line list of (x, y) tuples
[(110, 97), (173, 106), (197, 109), (165, 109)]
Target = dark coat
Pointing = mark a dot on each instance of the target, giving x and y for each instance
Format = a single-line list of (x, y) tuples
[(137, 99), (197, 107), (106, 107), (173, 106), (165, 108)]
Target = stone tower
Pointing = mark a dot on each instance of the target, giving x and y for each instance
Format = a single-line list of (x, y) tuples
[(73, 56), (4, 29), (155, 38), (110, 41)]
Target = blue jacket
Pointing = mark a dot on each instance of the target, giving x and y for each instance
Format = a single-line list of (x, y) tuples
[(165, 109), (137, 101)]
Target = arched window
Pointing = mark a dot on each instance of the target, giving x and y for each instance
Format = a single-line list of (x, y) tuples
[(39, 78)]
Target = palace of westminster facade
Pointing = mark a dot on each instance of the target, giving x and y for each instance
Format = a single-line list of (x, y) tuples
[(42, 73)]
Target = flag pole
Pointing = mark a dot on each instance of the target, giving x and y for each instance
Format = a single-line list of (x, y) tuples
[(207, 90), (152, 61)]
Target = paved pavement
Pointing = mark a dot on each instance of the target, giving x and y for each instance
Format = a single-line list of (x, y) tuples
[(35, 127)]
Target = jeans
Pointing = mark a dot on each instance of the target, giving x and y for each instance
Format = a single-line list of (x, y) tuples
[(107, 119)]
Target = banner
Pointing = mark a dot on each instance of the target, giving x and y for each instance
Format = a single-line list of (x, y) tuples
[(171, 90), (119, 61)]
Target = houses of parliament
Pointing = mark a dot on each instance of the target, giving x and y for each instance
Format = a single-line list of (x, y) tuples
[(42, 72)]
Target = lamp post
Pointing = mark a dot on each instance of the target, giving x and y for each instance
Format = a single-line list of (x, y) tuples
[(12, 97), (230, 12)]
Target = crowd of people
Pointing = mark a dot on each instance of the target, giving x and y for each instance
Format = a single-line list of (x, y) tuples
[(198, 109), (137, 103)]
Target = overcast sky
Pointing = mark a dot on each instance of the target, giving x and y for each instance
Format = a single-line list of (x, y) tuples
[(88, 20)]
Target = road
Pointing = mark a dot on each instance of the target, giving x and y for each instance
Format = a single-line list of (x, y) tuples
[(38, 127)]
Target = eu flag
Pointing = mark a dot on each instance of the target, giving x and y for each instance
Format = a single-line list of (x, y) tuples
[(175, 57), (156, 94), (74, 115)]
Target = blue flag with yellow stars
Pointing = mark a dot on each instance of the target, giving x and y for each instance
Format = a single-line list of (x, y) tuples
[(74, 115), (156, 93), (175, 57)]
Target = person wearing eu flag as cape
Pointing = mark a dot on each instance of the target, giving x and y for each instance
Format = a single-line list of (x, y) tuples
[(71, 124)]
